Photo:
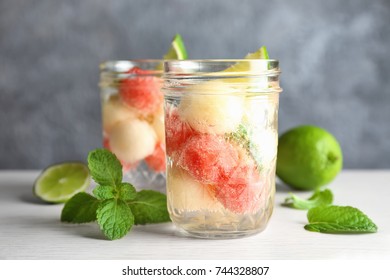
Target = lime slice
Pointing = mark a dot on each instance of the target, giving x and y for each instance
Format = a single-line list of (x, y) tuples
[(259, 54), (177, 49), (246, 66), (60, 182)]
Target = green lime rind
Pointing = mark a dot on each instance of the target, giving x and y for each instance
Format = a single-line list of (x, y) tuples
[(246, 66), (59, 182), (261, 53), (177, 49)]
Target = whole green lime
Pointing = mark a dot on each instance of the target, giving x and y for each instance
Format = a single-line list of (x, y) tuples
[(308, 157)]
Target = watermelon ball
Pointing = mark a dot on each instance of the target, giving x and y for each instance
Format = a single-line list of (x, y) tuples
[(141, 91), (245, 171), (156, 161), (185, 193), (240, 198), (176, 130), (208, 158)]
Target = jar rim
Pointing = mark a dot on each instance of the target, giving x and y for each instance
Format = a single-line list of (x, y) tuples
[(125, 65), (220, 68)]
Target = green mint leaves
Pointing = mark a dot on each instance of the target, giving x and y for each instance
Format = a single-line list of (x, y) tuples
[(319, 198), (106, 169), (116, 205), (115, 218), (149, 207), (81, 208), (339, 219), (326, 218)]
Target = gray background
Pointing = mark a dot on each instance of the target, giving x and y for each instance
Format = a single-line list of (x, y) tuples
[(335, 57)]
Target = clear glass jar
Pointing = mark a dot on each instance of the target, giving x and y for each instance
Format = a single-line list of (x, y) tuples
[(221, 123), (133, 119)]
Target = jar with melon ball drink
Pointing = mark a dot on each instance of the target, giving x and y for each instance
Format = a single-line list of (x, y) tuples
[(221, 123), (133, 119)]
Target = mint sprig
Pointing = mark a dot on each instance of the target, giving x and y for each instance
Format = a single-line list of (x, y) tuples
[(116, 205), (319, 198), (339, 219)]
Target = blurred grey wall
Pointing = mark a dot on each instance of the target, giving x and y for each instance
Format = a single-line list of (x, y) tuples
[(335, 57)]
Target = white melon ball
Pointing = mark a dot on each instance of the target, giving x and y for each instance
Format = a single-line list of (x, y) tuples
[(212, 111), (261, 111), (158, 125), (132, 140), (115, 111), (265, 142), (185, 193)]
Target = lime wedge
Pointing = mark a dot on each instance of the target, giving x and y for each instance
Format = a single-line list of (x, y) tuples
[(60, 182), (177, 49), (259, 54), (246, 66)]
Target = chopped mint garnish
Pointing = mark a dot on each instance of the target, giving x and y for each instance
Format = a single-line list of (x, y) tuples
[(243, 137), (117, 206), (339, 219), (319, 198)]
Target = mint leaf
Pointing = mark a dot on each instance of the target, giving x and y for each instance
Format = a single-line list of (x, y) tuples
[(149, 207), (127, 191), (242, 136), (115, 218), (104, 192), (319, 198), (105, 168), (339, 219), (81, 208)]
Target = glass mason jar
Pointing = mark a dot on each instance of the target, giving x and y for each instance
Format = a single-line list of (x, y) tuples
[(133, 119), (221, 125)]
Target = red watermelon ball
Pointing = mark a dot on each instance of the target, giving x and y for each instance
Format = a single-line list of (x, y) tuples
[(156, 161), (141, 91), (177, 132), (240, 198), (208, 158)]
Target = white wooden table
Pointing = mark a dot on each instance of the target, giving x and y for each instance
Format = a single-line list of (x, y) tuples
[(32, 230)]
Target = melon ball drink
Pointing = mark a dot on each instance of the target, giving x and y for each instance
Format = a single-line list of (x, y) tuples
[(133, 119), (221, 144)]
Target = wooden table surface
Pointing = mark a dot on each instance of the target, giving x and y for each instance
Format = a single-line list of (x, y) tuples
[(30, 229)]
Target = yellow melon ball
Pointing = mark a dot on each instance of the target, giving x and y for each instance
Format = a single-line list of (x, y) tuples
[(132, 140), (211, 107), (115, 111), (185, 193), (158, 125)]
